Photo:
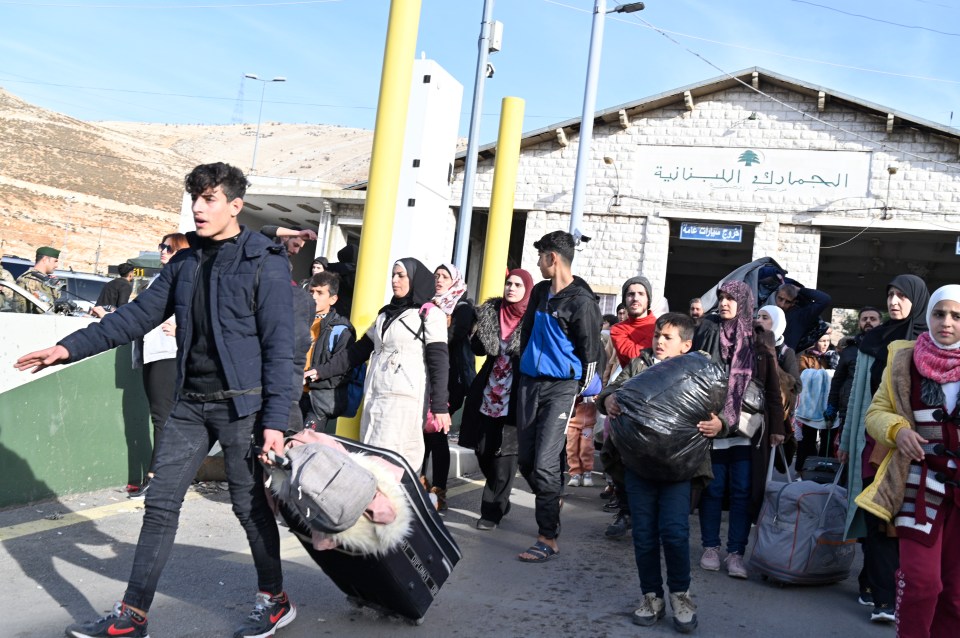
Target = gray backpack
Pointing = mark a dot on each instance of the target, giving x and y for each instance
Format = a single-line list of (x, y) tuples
[(326, 487), (800, 532)]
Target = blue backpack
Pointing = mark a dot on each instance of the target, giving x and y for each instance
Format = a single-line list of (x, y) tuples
[(355, 378)]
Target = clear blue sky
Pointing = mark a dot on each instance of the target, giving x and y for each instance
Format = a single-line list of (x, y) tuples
[(181, 61)]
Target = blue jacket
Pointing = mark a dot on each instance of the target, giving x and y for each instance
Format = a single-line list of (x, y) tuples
[(254, 337), (560, 336)]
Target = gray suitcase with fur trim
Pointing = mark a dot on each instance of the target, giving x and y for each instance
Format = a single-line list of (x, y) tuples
[(404, 580)]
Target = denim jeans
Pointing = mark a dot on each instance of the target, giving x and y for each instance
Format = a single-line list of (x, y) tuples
[(731, 467), (661, 515), (188, 435)]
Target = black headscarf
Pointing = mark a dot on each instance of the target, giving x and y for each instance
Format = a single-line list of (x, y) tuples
[(421, 290), (875, 342)]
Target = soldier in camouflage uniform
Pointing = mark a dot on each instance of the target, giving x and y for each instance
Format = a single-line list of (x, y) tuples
[(39, 280)]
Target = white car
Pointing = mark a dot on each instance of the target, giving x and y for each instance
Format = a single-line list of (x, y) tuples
[(13, 298)]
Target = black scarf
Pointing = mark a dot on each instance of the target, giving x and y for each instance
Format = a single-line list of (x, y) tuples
[(421, 290), (875, 342)]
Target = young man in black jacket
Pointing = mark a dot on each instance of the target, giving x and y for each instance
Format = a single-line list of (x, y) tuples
[(231, 294), (560, 343)]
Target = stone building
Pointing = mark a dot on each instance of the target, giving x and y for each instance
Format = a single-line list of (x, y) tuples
[(687, 185)]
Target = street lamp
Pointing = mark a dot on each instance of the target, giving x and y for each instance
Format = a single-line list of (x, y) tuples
[(263, 90), (609, 162), (489, 43), (589, 105)]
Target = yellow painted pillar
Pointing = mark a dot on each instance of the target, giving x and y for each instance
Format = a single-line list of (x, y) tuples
[(500, 219), (373, 263)]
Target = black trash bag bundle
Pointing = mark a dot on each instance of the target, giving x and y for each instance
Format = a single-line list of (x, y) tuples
[(657, 434)]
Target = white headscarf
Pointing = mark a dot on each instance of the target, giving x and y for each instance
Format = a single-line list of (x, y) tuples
[(779, 322), (950, 292)]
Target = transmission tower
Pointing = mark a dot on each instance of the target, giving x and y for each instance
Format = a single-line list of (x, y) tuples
[(238, 106)]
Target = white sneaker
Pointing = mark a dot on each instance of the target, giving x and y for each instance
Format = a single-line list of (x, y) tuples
[(574, 480), (588, 479), (652, 608), (684, 612)]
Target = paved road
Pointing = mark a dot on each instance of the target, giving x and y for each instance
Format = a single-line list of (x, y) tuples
[(74, 567)]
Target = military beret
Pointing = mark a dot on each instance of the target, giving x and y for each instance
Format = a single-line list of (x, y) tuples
[(47, 251)]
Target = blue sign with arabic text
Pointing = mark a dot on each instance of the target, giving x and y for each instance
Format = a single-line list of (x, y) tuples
[(711, 232)]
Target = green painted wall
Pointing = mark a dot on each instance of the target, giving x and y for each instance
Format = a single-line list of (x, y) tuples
[(84, 428)]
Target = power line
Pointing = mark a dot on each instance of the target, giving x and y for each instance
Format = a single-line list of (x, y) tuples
[(767, 51), (881, 20), (134, 5), (880, 145)]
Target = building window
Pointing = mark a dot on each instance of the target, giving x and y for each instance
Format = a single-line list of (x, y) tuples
[(608, 304)]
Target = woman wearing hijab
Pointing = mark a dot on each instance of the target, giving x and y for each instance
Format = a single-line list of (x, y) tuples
[(157, 354), (907, 299), (772, 319), (915, 414), (450, 296), (489, 414), (407, 348), (739, 463)]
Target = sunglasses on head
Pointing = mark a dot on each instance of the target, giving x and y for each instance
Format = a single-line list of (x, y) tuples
[(165, 248)]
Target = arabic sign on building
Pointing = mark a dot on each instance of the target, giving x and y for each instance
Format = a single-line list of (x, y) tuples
[(711, 232), (826, 175)]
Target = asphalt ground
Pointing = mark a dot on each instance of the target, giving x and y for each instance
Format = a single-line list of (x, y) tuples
[(68, 560)]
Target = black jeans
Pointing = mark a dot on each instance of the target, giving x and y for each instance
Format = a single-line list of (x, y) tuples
[(437, 445), (160, 384), (189, 434), (497, 457), (543, 408)]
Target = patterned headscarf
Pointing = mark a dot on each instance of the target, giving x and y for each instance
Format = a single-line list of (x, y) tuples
[(736, 347), (447, 301)]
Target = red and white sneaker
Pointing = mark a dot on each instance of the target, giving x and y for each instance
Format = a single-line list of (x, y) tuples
[(268, 615), (122, 621)]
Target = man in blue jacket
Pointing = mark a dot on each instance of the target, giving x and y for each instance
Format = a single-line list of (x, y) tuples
[(560, 344), (231, 294)]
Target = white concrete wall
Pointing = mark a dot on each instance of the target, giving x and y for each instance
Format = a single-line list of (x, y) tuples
[(633, 237)]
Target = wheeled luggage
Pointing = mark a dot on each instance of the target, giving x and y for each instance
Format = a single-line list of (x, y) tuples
[(800, 531), (404, 580), (820, 469)]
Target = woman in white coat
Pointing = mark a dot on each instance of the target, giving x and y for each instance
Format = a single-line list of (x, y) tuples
[(409, 364)]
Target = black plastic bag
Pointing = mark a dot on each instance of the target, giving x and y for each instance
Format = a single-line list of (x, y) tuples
[(656, 434)]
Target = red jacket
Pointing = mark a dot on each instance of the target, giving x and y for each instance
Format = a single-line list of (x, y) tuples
[(630, 337)]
